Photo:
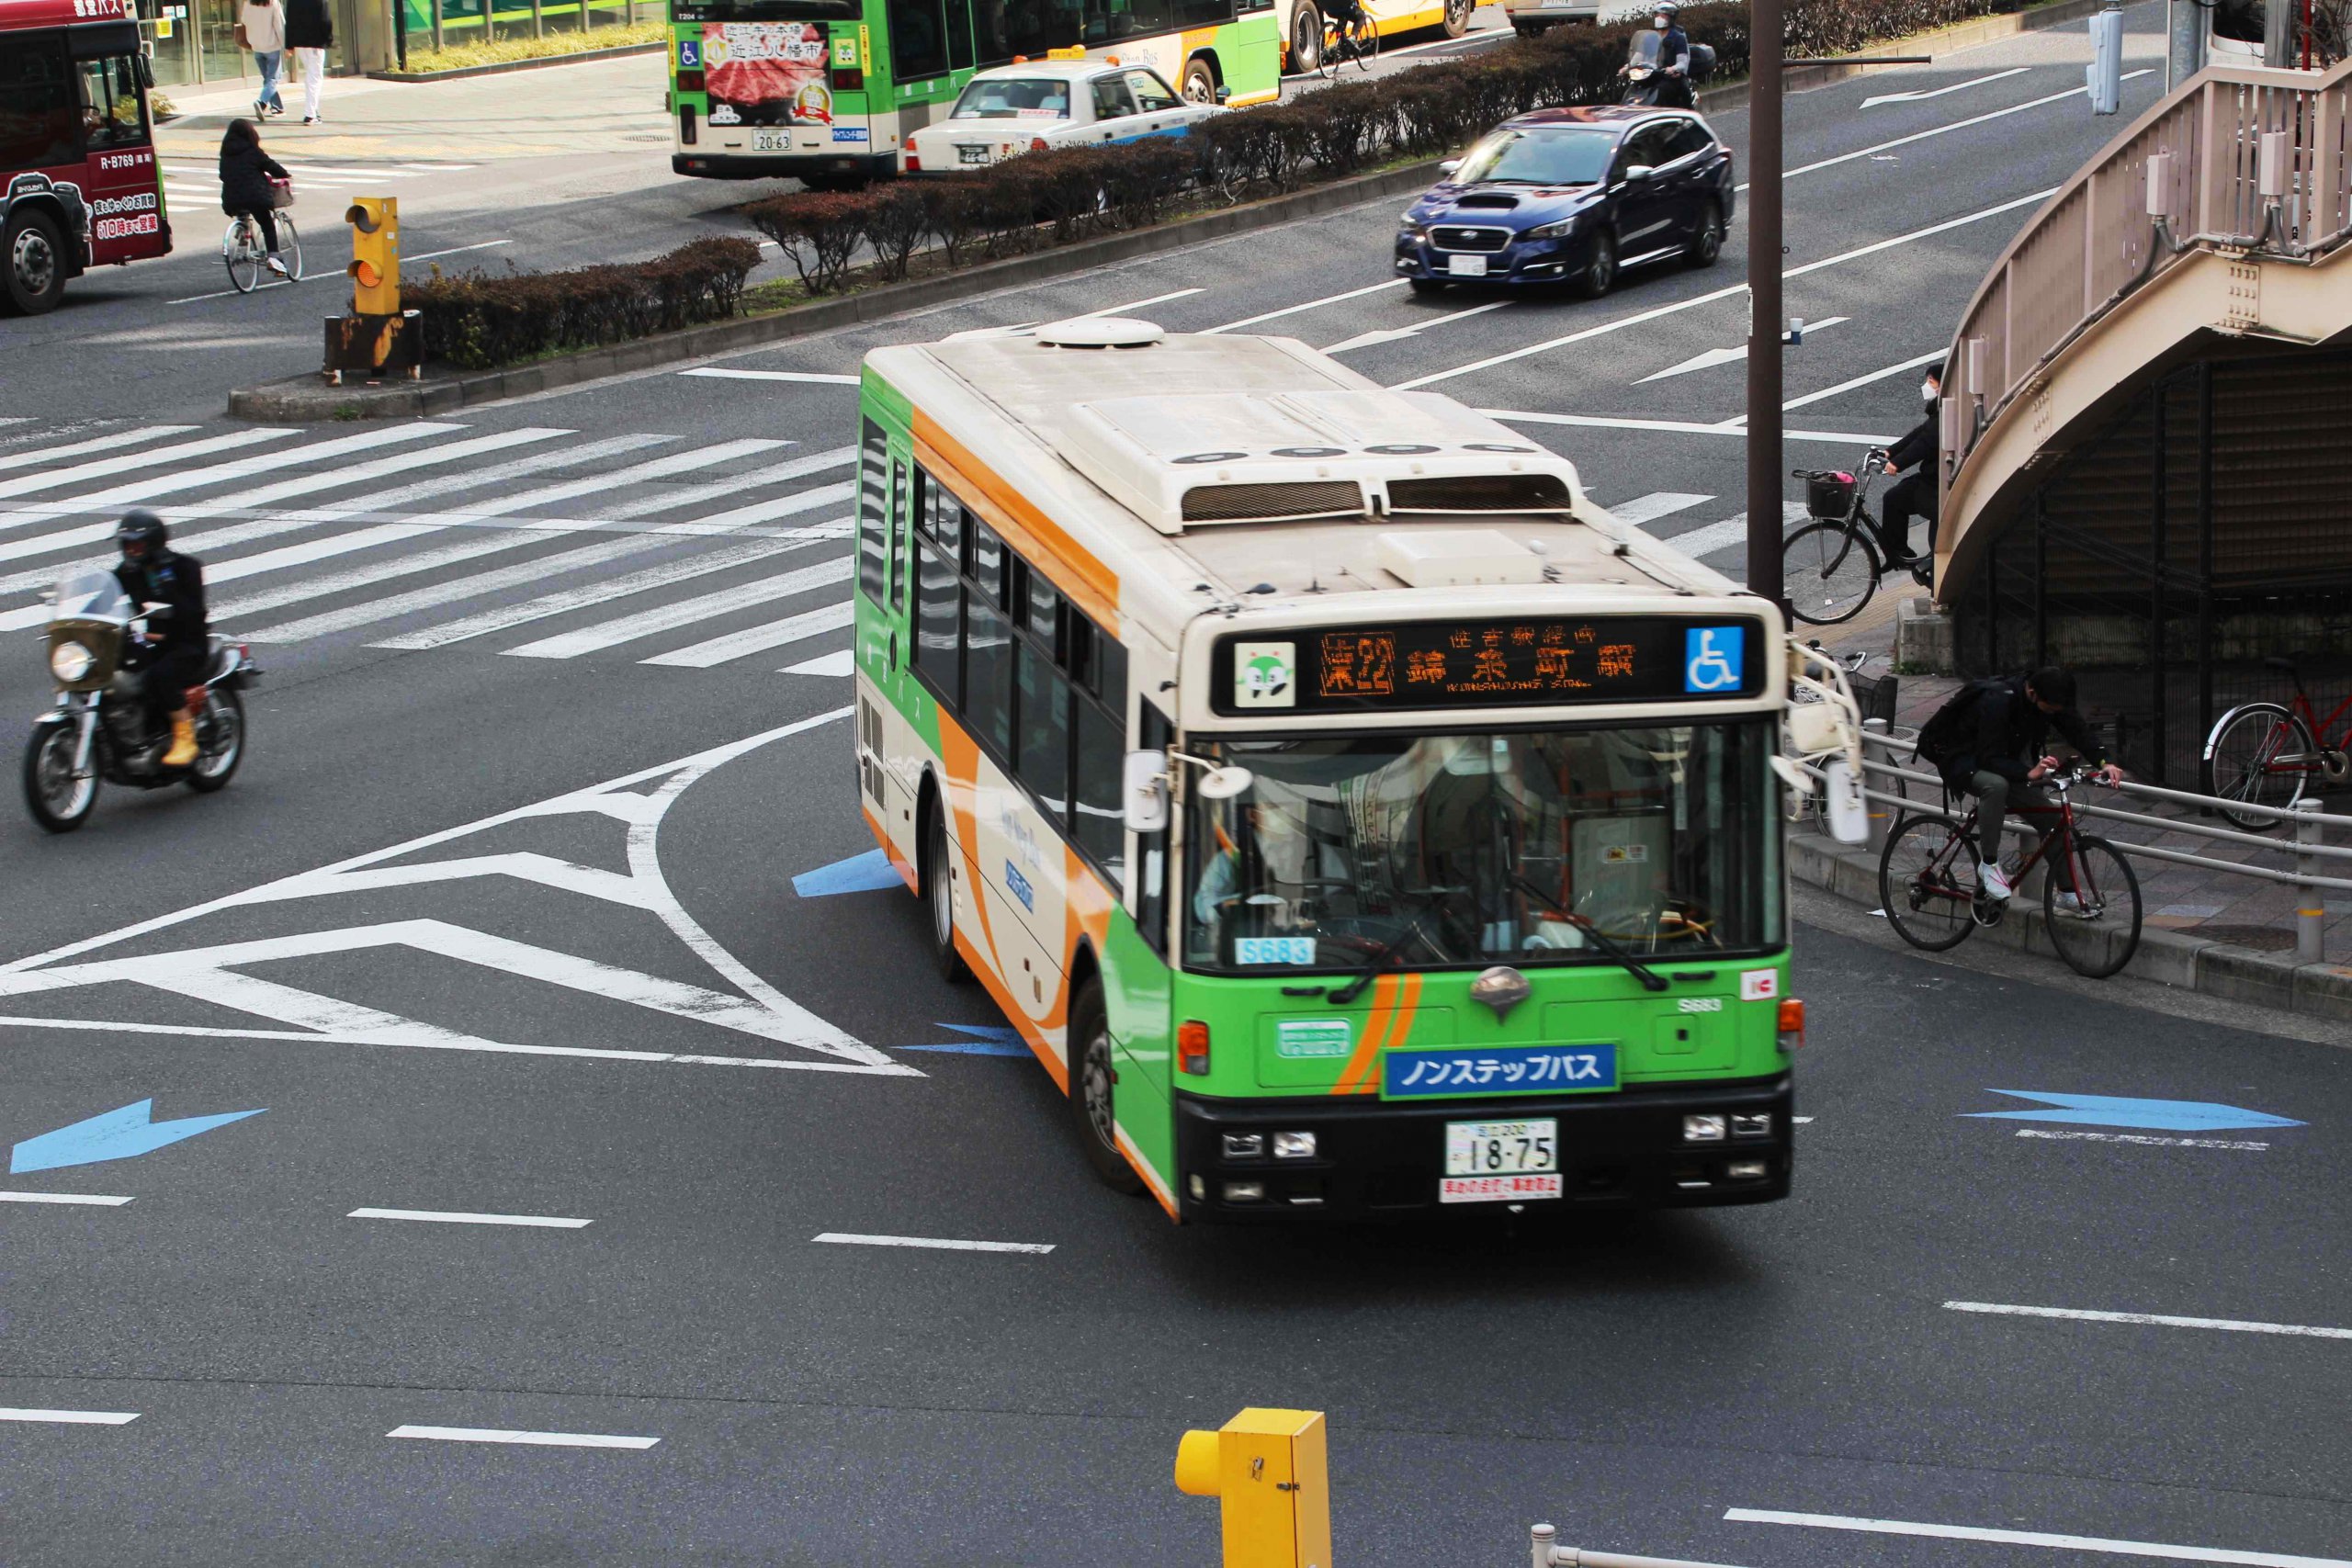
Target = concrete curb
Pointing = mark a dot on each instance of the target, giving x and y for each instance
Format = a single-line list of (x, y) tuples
[(584, 57), (2167, 957), (308, 398)]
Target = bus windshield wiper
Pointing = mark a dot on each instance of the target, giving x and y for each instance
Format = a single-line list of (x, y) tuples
[(1650, 978), (1372, 965)]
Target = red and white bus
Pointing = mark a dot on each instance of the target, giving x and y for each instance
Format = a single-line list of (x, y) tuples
[(77, 149)]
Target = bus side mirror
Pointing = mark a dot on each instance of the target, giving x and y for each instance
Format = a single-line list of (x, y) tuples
[(1143, 786)]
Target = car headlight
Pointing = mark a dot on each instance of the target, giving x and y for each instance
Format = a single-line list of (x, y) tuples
[(1559, 230), (71, 661), (1412, 233)]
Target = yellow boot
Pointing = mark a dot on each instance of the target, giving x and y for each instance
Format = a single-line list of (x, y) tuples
[(183, 749)]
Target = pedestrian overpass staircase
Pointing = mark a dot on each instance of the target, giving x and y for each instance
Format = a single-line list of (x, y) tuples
[(2218, 227)]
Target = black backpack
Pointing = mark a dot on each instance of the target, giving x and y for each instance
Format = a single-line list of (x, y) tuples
[(1949, 729)]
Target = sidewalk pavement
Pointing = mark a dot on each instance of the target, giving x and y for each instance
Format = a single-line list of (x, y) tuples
[(2239, 913)]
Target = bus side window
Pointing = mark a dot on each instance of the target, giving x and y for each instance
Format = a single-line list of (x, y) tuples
[(987, 647), (112, 115), (872, 477), (903, 481), (1099, 669), (1154, 732), (39, 110)]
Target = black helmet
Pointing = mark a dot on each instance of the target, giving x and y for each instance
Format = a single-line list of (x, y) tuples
[(143, 529)]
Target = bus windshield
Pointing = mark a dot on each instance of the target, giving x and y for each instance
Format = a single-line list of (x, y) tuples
[(998, 97), (1542, 156), (1476, 848)]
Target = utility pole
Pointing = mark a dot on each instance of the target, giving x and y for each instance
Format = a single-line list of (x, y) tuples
[(1764, 477), (2184, 51)]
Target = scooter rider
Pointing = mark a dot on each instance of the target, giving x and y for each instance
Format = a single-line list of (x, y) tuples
[(151, 572), (1673, 55)]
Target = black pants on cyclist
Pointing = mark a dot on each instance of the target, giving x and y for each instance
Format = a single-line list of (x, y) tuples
[(1912, 495), (1997, 797)]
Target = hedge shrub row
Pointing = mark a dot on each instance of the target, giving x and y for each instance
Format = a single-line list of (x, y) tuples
[(1052, 197), (478, 319)]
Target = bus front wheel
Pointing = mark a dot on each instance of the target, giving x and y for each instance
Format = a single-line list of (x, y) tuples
[(34, 263), (1094, 1084), (939, 897)]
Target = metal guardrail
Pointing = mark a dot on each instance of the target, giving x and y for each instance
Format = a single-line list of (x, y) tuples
[(2238, 158), (2307, 848)]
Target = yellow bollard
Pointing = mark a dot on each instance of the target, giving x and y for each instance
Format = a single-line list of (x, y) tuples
[(1270, 1470)]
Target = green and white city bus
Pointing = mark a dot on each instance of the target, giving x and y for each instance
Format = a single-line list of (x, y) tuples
[(827, 91), (1350, 815)]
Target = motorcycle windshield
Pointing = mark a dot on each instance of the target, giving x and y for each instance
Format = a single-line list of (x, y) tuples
[(1645, 48), (91, 594)]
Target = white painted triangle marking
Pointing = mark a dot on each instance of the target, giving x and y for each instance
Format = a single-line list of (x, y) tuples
[(1709, 358), (1939, 92), (1645, 509)]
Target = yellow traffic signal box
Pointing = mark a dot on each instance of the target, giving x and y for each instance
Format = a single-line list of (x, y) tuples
[(375, 255), (1270, 1470)]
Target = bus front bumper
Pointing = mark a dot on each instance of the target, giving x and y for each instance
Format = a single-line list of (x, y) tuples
[(1376, 1159)]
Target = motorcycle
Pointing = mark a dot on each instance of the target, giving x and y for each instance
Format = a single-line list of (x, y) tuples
[(96, 641), (1644, 76)]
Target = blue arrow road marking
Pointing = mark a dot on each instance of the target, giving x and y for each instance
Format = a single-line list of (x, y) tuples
[(117, 1134), (867, 873), (2111, 1110), (989, 1040)]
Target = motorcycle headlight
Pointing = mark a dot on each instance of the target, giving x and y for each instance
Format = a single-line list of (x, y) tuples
[(70, 660), (1559, 230)]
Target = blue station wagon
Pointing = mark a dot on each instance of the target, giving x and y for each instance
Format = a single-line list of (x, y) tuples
[(1572, 196)]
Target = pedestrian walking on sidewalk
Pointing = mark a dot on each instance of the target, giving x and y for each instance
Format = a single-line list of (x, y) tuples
[(261, 27), (310, 33)]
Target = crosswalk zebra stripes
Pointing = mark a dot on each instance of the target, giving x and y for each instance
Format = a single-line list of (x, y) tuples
[(433, 534), (529, 541)]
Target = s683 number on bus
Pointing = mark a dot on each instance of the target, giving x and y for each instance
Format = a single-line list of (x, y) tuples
[(1500, 1148)]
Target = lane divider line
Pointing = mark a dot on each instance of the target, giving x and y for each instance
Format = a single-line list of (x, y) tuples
[(2142, 1138), (2156, 1319), (91, 1198), (537, 1440), (2033, 1538), (444, 1217), (73, 1417), (939, 1244)]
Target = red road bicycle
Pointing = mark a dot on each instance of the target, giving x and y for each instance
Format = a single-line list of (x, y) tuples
[(1928, 884), (2272, 753)]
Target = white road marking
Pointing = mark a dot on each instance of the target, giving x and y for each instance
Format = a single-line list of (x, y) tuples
[(1310, 305), (1396, 334), (1678, 427), (72, 1417), (758, 639), (838, 663), (2156, 1319), (2033, 1538), (504, 617), (1639, 317), (937, 1243), (1715, 538), (820, 377), (536, 1440), (2141, 1138), (1138, 304), (1913, 363), (90, 1198), (1657, 503), (451, 1217), (1801, 1120), (1708, 359), (113, 442), (685, 612), (1926, 93), (102, 467), (1945, 130), (317, 277)]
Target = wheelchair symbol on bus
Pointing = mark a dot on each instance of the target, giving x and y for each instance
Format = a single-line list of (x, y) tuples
[(1711, 659)]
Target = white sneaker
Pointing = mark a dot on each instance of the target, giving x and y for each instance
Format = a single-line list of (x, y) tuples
[(278, 266), (1996, 883), (2072, 904)]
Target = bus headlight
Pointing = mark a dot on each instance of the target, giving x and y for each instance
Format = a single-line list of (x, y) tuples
[(1293, 1146), (70, 660), (1702, 1129)]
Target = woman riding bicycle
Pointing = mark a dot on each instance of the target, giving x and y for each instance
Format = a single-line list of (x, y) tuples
[(245, 173)]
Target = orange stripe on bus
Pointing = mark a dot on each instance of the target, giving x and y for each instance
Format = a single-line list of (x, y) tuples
[(1375, 1024), (1073, 570)]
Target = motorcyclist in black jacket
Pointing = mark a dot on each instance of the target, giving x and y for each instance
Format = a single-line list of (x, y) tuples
[(1912, 495), (151, 572)]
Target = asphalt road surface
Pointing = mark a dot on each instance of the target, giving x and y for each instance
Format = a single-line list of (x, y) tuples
[(500, 922)]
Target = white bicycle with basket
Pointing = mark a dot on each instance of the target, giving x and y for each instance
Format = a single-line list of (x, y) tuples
[(245, 252)]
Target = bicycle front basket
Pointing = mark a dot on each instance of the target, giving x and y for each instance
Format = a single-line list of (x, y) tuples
[(1829, 495), (281, 194)]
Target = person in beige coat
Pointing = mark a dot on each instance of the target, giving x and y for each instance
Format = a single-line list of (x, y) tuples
[(261, 25)]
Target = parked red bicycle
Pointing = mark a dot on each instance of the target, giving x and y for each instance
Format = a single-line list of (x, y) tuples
[(2273, 754)]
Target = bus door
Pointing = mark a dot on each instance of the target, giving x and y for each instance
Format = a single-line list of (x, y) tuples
[(118, 177)]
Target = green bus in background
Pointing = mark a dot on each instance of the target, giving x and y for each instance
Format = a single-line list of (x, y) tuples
[(827, 91), (1352, 818), (427, 25)]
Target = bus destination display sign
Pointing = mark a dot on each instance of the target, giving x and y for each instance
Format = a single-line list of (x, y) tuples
[(1501, 661)]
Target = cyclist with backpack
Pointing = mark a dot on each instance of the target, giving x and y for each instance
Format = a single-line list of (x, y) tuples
[(1987, 740)]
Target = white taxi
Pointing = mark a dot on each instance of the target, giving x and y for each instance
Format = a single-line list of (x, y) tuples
[(1030, 107)]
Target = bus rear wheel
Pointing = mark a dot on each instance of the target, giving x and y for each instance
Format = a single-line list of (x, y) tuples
[(1093, 1087), (939, 897), (34, 263), (1306, 36)]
